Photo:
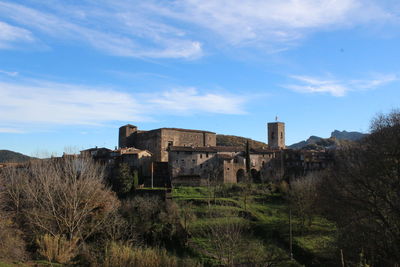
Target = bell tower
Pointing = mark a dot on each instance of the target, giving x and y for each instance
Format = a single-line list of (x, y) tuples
[(276, 135)]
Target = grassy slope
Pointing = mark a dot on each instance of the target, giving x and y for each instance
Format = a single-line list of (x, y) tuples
[(268, 219)]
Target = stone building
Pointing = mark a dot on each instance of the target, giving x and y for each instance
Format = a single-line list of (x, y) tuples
[(276, 135), (224, 164), (157, 141), (135, 158)]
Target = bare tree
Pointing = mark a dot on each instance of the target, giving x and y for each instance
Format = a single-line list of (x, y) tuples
[(226, 238), (303, 197), (65, 196)]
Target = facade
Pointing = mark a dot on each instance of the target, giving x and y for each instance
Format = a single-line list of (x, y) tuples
[(223, 164), (276, 135), (136, 159), (157, 141)]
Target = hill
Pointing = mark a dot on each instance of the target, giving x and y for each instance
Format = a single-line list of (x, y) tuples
[(337, 139), (11, 156), (231, 140), (344, 135)]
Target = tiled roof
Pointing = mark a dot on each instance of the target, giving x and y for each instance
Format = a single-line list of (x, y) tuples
[(178, 129), (212, 149)]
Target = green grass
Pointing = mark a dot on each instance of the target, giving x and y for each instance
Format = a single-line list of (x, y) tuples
[(265, 214)]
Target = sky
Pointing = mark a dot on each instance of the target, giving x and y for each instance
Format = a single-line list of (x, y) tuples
[(72, 72)]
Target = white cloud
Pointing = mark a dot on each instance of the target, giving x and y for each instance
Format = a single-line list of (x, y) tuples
[(52, 103), (9, 73), (41, 103), (106, 31), (10, 130), (178, 29), (267, 21), (338, 88), (9, 35), (189, 100)]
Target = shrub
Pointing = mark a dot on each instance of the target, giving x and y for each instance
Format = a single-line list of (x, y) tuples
[(57, 248), (12, 245), (118, 254)]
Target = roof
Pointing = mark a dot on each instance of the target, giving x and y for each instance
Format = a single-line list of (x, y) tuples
[(225, 157), (212, 149), (178, 129), (130, 150), (96, 149)]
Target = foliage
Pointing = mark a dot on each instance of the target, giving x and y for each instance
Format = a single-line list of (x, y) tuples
[(231, 140), (11, 156), (303, 198), (57, 248), (124, 255), (153, 221), (65, 197), (123, 180), (12, 245), (362, 194)]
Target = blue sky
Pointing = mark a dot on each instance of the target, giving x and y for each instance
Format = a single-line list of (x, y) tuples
[(72, 72)]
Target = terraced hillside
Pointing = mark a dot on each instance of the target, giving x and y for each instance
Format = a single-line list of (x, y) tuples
[(242, 224)]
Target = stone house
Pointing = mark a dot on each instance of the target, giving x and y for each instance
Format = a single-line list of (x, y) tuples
[(157, 141)]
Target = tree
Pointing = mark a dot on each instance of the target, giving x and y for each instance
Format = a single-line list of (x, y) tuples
[(303, 197), (66, 197), (362, 194), (226, 240), (123, 179)]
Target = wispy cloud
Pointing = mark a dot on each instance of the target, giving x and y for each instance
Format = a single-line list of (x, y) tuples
[(10, 130), (105, 30), (180, 29), (11, 35), (336, 87), (190, 100), (260, 22), (9, 73), (41, 103)]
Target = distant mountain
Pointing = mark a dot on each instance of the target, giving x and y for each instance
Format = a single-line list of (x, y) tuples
[(11, 156), (337, 139), (344, 135), (231, 140)]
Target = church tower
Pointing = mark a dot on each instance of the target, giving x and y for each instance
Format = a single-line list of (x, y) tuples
[(276, 135)]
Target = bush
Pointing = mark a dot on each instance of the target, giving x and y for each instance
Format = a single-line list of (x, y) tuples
[(118, 254), (12, 245), (57, 248)]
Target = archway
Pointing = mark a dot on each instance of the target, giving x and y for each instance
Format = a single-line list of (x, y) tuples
[(240, 176), (255, 175)]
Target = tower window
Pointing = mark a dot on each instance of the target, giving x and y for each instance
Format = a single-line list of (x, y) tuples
[(272, 135), (281, 135)]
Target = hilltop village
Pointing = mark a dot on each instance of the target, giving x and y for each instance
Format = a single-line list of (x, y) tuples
[(170, 157)]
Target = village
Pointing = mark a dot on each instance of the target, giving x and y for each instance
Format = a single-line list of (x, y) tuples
[(168, 157)]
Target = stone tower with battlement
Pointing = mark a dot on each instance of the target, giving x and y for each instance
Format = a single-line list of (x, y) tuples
[(276, 135), (124, 133)]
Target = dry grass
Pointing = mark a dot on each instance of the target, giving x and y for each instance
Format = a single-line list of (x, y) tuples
[(57, 248)]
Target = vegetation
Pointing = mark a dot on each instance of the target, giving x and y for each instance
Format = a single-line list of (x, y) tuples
[(62, 212), (11, 156), (361, 194), (231, 140)]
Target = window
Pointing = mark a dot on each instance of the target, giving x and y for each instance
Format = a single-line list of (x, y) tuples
[(201, 166), (170, 143), (227, 169), (207, 155), (272, 136), (201, 156), (193, 161), (183, 161), (281, 135), (176, 161)]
